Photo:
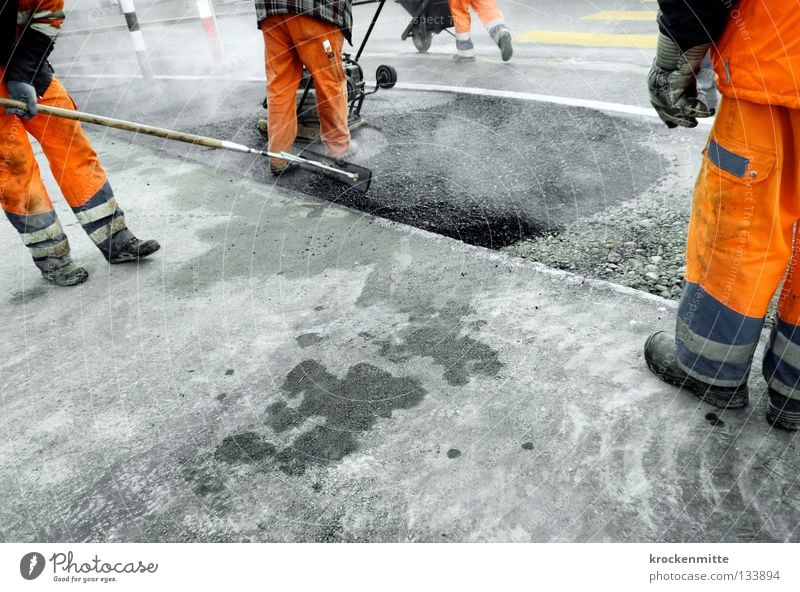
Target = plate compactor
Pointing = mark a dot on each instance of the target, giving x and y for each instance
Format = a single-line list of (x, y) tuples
[(307, 117)]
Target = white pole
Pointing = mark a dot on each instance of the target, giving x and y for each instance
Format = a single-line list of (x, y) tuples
[(129, 10), (209, 20)]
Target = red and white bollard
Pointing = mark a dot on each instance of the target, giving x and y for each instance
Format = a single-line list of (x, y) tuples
[(209, 21), (129, 10)]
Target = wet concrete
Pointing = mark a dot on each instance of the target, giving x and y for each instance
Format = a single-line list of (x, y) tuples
[(290, 370)]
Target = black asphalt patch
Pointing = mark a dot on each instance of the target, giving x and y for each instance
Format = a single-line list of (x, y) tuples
[(487, 171)]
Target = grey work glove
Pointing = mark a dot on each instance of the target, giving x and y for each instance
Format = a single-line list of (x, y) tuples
[(22, 91), (673, 84)]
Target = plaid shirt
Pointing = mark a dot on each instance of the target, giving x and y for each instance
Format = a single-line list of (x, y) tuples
[(338, 12)]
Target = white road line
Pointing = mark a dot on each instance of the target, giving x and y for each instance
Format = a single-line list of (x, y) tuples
[(510, 94), (464, 90)]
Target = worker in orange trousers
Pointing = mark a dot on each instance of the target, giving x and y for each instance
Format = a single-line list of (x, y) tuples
[(491, 17), (28, 29), (308, 33), (744, 234)]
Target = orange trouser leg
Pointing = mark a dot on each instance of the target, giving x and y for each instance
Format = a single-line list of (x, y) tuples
[(24, 197), (789, 300), (292, 41), (782, 356), (330, 83), (78, 172), (284, 70), (72, 159), (744, 208), (461, 18), (21, 188), (740, 238), (80, 176), (488, 12)]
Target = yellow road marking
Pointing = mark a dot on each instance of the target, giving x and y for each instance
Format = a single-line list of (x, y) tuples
[(622, 15), (588, 39)]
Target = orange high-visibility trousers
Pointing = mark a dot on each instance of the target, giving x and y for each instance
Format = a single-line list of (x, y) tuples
[(72, 159), (486, 10), (291, 42), (77, 170), (742, 235)]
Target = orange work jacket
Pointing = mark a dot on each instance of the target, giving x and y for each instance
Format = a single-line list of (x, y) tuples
[(757, 58)]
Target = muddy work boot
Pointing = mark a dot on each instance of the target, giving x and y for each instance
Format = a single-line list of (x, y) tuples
[(783, 412), (68, 275), (661, 356), (502, 37), (134, 250)]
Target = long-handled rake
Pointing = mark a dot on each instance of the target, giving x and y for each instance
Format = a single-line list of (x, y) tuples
[(357, 177)]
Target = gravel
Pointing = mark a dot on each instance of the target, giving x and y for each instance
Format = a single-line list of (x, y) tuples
[(643, 247)]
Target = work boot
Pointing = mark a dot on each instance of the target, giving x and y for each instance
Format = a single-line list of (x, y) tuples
[(68, 275), (502, 37), (134, 250), (783, 412), (465, 49), (661, 356)]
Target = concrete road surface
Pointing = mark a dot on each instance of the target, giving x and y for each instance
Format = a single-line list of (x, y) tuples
[(292, 366)]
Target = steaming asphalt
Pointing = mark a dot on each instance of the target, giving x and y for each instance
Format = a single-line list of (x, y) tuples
[(487, 171)]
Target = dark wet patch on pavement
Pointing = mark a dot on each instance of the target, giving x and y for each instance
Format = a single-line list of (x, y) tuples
[(318, 446), (308, 339), (245, 447), (438, 336), (349, 407)]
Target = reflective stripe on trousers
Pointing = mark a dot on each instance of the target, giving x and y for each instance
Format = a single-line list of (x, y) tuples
[(715, 343), (782, 360), (43, 235)]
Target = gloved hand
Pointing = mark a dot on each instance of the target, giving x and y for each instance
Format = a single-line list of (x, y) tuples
[(673, 84), (22, 91)]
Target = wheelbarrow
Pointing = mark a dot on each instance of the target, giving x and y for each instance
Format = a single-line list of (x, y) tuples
[(429, 18)]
